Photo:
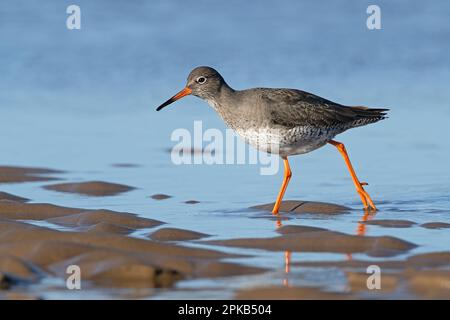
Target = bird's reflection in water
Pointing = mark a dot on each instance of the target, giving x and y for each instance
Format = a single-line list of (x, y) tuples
[(287, 257), (360, 231), (362, 227), (287, 268)]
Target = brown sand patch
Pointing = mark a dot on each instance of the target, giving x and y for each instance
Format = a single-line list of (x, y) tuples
[(390, 223), (118, 269), (137, 275), (160, 196), (103, 227), (298, 229), (10, 197), (175, 234), (14, 271), (429, 284), (105, 221), (212, 269), (291, 206), (96, 217), (436, 225), (49, 240), (33, 211), (11, 295), (9, 174), (43, 247), (110, 259), (192, 202), (323, 241), (90, 188), (430, 260), (288, 293), (19, 268)]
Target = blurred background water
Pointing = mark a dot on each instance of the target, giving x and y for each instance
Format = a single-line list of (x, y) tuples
[(81, 100)]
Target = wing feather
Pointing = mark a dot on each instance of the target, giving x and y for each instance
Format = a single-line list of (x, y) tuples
[(293, 108)]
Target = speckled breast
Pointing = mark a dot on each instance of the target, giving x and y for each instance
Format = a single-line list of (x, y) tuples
[(286, 142)]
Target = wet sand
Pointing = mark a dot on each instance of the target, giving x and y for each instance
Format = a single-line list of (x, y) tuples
[(122, 250), (160, 196), (424, 276), (10, 174), (294, 207), (98, 244), (97, 241), (436, 225), (91, 188), (10, 197), (175, 234), (304, 239), (391, 223)]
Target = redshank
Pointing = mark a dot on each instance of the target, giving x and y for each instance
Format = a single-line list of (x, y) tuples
[(282, 121)]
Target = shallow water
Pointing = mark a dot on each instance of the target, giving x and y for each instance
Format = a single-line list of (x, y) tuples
[(83, 100)]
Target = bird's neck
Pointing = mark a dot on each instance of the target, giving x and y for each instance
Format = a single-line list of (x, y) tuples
[(225, 103), (221, 98)]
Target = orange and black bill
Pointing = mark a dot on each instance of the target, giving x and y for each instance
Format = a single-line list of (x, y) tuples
[(186, 91)]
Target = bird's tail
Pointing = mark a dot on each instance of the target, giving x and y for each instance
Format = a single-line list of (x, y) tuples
[(365, 115)]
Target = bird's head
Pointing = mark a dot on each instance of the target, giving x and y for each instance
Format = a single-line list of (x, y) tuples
[(202, 82)]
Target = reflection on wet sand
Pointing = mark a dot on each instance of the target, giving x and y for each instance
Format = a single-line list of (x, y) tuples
[(287, 256), (360, 231)]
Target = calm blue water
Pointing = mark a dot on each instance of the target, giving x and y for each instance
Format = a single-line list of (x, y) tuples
[(82, 100)]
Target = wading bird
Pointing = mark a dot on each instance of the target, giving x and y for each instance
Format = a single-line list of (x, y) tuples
[(282, 121)]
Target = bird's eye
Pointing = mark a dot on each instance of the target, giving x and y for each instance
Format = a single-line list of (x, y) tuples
[(201, 80)]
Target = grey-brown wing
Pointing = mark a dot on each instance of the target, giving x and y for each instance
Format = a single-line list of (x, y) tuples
[(292, 108)]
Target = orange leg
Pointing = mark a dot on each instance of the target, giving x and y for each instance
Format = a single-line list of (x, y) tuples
[(366, 200), (287, 177)]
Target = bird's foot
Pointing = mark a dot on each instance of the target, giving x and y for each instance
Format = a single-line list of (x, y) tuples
[(365, 198)]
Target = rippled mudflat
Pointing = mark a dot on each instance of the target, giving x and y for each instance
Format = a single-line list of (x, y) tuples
[(121, 254)]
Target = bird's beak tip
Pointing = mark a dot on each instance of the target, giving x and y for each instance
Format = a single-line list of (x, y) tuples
[(186, 91)]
